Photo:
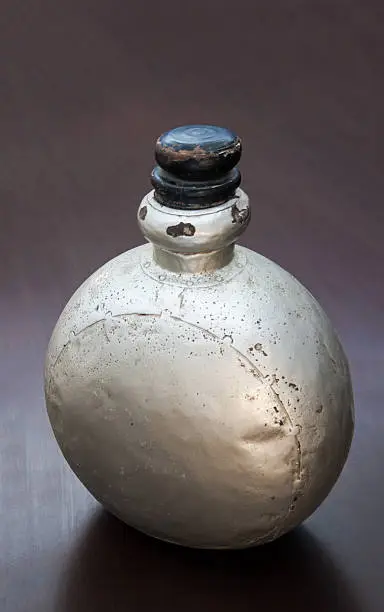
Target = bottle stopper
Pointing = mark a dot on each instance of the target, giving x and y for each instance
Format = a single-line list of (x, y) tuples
[(196, 167)]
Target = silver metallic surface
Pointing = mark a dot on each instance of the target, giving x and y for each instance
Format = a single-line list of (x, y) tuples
[(196, 388)]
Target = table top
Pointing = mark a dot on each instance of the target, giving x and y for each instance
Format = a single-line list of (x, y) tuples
[(87, 86)]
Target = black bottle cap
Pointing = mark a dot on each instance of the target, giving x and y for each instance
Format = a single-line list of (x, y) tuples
[(196, 166)]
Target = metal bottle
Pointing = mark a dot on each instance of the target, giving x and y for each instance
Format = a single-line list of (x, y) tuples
[(196, 388)]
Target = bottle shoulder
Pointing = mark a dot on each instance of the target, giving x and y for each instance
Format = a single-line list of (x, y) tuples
[(133, 280), (252, 299)]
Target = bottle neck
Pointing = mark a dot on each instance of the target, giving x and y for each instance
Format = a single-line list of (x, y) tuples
[(194, 263), (194, 241)]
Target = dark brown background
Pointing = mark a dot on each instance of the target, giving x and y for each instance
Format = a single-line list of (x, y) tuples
[(86, 87)]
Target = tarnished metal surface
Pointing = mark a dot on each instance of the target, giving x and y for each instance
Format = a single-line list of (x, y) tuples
[(201, 395)]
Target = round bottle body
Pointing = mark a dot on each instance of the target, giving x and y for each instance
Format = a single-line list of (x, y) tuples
[(210, 410)]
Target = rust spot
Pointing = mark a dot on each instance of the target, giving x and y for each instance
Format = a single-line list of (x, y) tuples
[(279, 422), (143, 213), (239, 216), (181, 229), (293, 386), (259, 347)]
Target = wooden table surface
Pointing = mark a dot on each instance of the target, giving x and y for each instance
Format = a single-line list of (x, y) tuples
[(86, 87)]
